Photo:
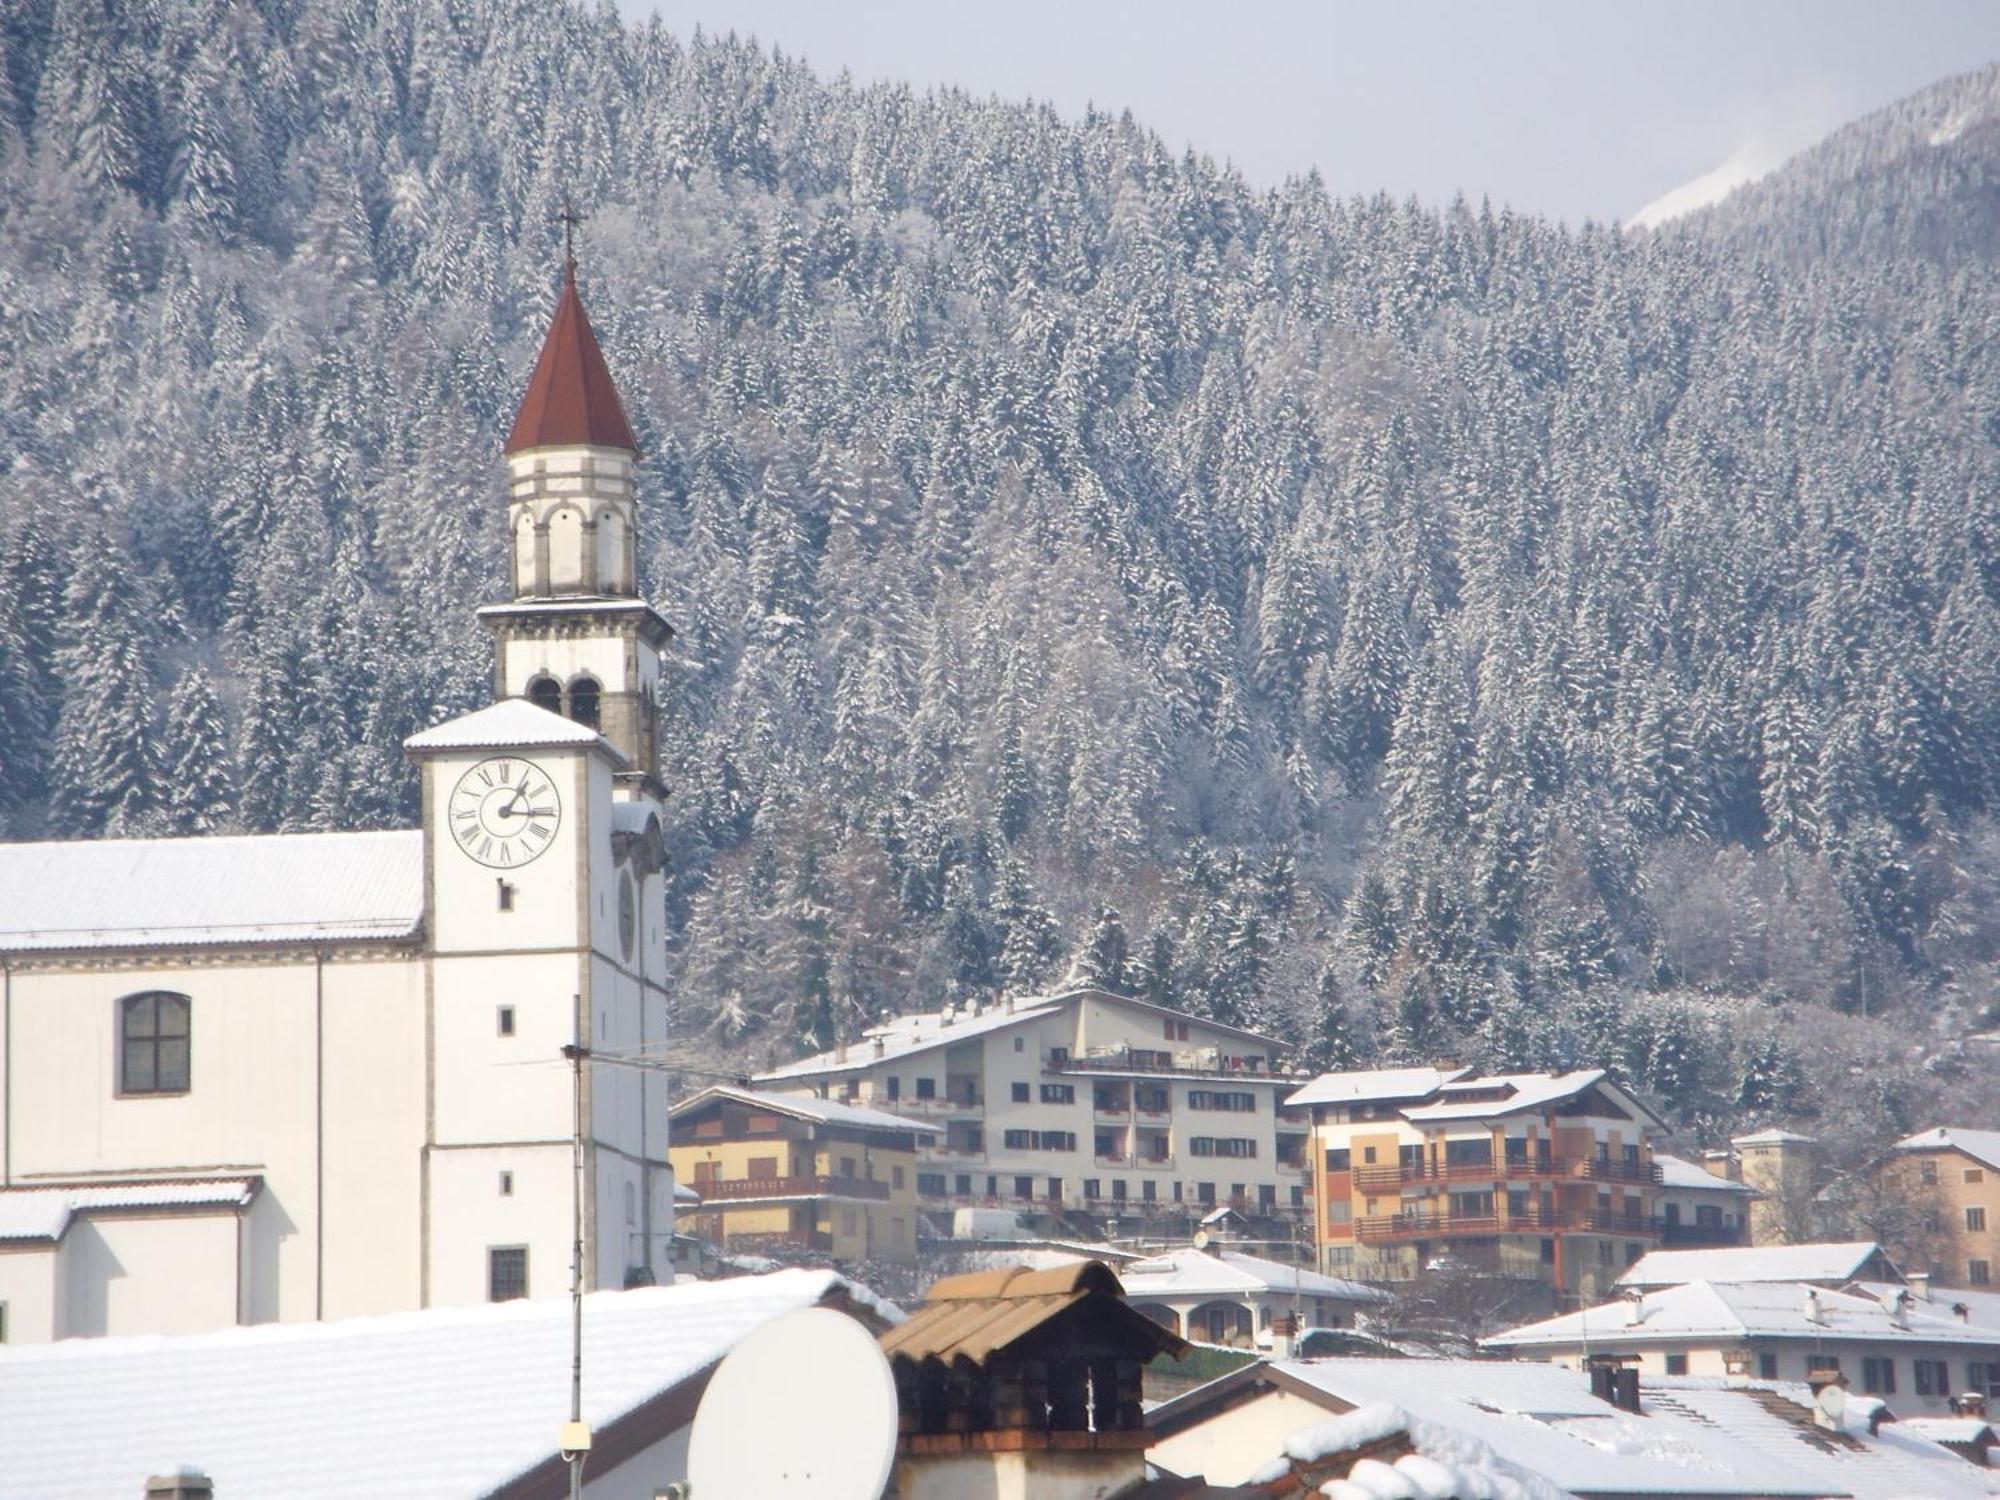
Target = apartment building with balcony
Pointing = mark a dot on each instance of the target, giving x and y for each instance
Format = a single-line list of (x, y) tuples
[(786, 1172), (1548, 1177), (1083, 1100)]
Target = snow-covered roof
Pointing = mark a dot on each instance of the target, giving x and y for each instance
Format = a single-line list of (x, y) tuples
[(241, 889), (1982, 1309), (1679, 1172), (510, 724), (906, 1036), (441, 1403), (1980, 1145), (685, 1194), (44, 1213), (1706, 1310), (1773, 1420), (1834, 1264), (1446, 1463), (1543, 1419), (1948, 1429), (805, 1107), (1375, 1084), (1522, 1091), (1772, 1137), (1226, 1273)]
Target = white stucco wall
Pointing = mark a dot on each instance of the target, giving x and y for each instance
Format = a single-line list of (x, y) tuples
[(29, 1291), (1229, 1447)]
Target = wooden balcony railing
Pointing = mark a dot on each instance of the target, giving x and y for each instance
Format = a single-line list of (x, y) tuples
[(1391, 1227), (1507, 1169), (742, 1189)]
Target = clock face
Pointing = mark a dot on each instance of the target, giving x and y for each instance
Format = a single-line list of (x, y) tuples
[(505, 811)]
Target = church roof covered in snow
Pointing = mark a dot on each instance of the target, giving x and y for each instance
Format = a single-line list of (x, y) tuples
[(206, 892), (445, 1402), (571, 400), (44, 1213), (510, 724)]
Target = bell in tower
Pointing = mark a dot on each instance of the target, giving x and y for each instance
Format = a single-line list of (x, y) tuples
[(577, 638)]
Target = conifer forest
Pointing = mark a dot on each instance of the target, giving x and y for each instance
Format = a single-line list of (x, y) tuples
[(1418, 630)]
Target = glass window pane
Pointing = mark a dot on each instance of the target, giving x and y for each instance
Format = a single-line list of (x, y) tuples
[(138, 1076), (139, 1016), (173, 1065), (173, 1015)]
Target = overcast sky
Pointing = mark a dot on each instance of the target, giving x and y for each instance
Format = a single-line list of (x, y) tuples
[(1565, 107)]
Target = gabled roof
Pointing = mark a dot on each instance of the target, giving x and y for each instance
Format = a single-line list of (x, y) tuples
[(1678, 1172), (44, 1213), (510, 724), (571, 399), (1981, 1145), (449, 1402), (1542, 1419), (971, 1317), (1834, 1264), (1774, 1420), (1376, 1085), (1701, 1310), (207, 892), (1224, 1273), (805, 1107)]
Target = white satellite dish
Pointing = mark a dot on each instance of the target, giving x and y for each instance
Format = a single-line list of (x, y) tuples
[(1201, 1239), (805, 1408), (1830, 1404)]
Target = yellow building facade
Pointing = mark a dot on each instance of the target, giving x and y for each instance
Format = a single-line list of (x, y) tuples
[(1957, 1172), (789, 1173)]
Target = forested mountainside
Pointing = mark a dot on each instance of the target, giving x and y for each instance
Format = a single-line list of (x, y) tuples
[(1919, 180), (1420, 630)]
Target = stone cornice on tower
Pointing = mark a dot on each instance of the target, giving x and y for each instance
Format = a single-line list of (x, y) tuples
[(571, 400)]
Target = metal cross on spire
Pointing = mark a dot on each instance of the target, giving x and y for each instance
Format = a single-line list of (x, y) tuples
[(569, 219)]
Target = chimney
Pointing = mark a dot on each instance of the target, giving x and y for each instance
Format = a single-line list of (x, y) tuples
[(1963, 1312), (1736, 1367), (1723, 1163), (183, 1484), (1625, 1389), (881, 1047), (1814, 1312), (1920, 1285), (1284, 1330), (1603, 1380), (1635, 1307)]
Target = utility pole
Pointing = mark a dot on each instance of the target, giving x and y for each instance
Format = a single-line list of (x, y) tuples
[(575, 1435)]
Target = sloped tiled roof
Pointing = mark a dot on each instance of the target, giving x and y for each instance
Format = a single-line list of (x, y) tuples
[(1199, 1273), (510, 724), (1738, 1310), (1980, 1145), (1679, 1172), (452, 1402), (44, 1213), (571, 399), (806, 1107), (170, 893), (970, 1317), (1830, 1263)]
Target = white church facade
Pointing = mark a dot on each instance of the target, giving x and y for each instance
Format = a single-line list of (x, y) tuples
[(302, 1076)]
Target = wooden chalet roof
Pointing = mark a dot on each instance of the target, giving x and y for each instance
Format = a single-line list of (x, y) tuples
[(972, 1317)]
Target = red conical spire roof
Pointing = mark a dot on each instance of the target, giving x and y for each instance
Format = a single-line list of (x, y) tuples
[(571, 400)]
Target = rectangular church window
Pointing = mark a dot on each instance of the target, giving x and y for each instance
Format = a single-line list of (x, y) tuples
[(506, 1273), (153, 1044)]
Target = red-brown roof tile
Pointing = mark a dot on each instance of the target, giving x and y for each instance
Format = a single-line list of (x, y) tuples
[(571, 400)]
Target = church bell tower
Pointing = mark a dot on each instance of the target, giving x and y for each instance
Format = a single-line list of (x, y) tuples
[(577, 638)]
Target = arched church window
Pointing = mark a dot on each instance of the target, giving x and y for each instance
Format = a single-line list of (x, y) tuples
[(153, 1043), (545, 692), (584, 700)]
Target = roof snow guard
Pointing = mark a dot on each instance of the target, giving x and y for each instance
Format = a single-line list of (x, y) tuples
[(571, 400)]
